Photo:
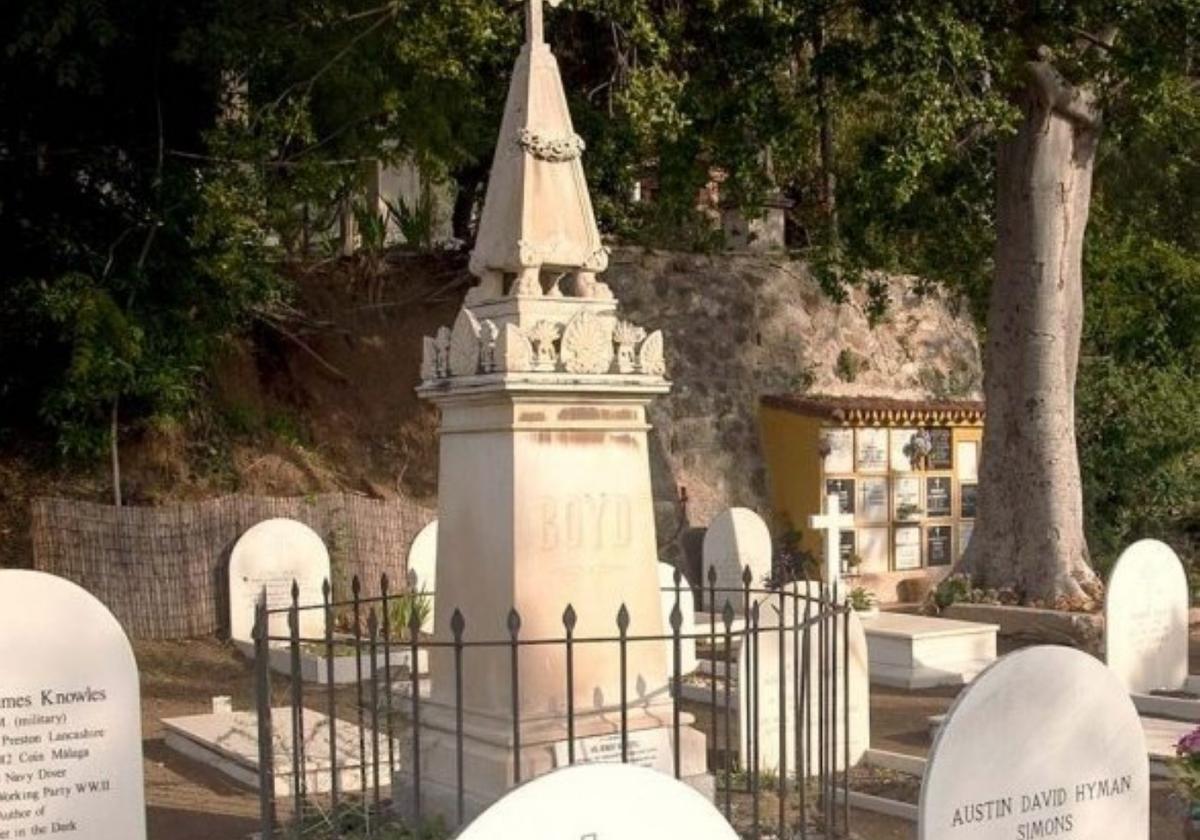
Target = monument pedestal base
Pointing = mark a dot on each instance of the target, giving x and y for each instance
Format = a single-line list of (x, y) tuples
[(488, 759)]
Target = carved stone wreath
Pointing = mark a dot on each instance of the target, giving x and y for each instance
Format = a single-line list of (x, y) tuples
[(551, 149)]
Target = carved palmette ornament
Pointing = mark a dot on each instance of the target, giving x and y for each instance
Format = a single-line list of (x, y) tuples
[(627, 336), (442, 355), (464, 344), (429, 352), (487, 338), (587, 344), (543, 334), (650, 355), (514, 352)]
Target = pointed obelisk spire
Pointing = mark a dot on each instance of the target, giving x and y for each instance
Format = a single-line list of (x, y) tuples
[(537, 215), (534, 32)]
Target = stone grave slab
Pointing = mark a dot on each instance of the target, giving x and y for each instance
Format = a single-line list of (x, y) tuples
[(270, 556), (736, 538), (422, 561), (578, 802), (1044, 743), (228, 742), (70, 714), (1146, 630), (687, 608), (916, 651)]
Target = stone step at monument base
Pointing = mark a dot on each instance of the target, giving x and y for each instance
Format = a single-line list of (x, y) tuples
[(1178, 705), (314, 665), (489, 762), (915, 651), (1161, 737), (228, 742)]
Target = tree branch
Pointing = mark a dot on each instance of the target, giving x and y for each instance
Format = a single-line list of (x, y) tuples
[(1057, 94)]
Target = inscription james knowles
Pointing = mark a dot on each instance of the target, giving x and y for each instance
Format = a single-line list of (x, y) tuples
[(46, 761), (1051, 812)]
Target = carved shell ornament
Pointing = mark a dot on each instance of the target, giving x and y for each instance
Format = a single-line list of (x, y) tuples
[(587, 344), (551, 149)]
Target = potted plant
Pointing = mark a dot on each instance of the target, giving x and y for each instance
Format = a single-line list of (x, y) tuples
[(864, 602), (1185, 771)]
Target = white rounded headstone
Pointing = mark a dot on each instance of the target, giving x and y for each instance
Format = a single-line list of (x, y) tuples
[(771, 721), (422, 559), (687, 609), (271, 555), (604, 802), (1146, 619), (1044, 743), (735, 539), (70, 714)]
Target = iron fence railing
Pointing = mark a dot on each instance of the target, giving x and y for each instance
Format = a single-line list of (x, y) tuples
[(811, 799)]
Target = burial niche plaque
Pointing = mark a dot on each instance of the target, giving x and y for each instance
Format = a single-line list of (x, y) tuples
[(1044, 743), (70, 715)]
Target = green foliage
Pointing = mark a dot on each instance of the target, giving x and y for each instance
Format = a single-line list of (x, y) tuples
[(406, 608), (952, 590), (1138, 396), (352, 822), (862, 599)]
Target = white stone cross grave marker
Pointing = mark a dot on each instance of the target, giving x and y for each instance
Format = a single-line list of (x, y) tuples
[(831, 522)]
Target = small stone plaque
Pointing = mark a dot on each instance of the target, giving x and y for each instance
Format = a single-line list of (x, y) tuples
[(967, 453), (1045, 743), (908, 498), (872, 450), (968, 500), (70, 715), (645, 748), (908, 547), (847, 549), (965, 530), (844, 488), (937, 496), (874, 506), (938, 545), (601, 802), (841, 450), (940, 456), (899, 440)]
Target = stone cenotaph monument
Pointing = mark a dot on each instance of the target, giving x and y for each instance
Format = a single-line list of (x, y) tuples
[(544, 496)]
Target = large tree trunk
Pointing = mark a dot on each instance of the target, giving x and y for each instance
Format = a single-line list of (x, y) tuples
[(1029, 531)]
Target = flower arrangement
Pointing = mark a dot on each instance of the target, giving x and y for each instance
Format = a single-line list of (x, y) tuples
[(1185, 770)]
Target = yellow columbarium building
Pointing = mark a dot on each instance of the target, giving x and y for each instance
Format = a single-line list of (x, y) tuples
[(907, 470)]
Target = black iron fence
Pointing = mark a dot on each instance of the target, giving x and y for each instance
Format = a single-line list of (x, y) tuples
[(345, 788)]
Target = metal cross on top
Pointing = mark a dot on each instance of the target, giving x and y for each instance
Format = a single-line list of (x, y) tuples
[(831, 522), (534, 33)]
